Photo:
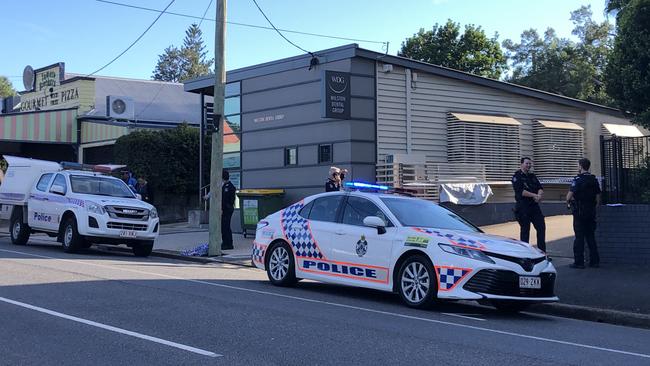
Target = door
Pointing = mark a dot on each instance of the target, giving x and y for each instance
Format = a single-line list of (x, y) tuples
[(57, 202), (365, 250), (38, 210)]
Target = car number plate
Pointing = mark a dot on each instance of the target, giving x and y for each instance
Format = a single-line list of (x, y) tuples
[(128, 234), (530, 282)]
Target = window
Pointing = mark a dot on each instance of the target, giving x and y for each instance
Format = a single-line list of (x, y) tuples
[(304, 212), (44, 182), (233, 89), (234, 123), (356, 209), (231, 106), (99, 186), (291, 156), (326, 208), (60, 181), (557, 146), (325, 153), (421, 213)]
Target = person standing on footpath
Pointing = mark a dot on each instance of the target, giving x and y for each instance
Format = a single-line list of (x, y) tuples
[(583, 198), (335, 179), (528, 194), (227, 208)]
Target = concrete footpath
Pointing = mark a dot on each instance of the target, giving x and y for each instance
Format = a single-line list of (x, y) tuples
[(611, 293)]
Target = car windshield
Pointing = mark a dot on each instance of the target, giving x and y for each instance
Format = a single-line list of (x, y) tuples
[(101, 186), (421, 213)]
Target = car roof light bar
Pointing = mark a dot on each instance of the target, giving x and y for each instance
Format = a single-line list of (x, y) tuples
[(69, 165), (361, 185)]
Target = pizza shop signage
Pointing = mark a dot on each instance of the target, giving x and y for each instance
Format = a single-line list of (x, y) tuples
[(45, 89)]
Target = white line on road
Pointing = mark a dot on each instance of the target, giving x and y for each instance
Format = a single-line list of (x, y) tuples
[(464, 316), (111, 328), (398, 315)]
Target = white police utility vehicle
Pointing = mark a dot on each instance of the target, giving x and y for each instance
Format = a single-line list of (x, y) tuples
[(78, 207), (400, 244)]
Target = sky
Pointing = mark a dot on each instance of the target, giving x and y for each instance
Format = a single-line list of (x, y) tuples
[(87, 34)]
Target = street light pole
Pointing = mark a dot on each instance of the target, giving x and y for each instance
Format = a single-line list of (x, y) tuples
[(216, 161)]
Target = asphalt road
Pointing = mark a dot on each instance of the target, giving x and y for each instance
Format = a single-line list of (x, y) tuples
[(106, 308)]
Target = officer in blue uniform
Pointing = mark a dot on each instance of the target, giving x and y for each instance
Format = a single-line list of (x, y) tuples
[(528, 194), (582, 199)]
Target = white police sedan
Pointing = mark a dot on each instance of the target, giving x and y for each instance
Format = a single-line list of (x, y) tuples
[(400, 244)]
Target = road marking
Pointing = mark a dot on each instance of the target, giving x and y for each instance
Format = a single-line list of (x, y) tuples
[(111, 328), (304, 299), (464, 316)]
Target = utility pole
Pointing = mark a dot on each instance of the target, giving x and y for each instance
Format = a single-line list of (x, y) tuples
[(216, 160)]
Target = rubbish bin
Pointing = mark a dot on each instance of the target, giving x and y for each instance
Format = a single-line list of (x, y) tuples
[(256, 204)]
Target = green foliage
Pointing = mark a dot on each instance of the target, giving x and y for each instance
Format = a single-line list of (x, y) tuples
[(169, 159), (6, 88), (444, 45), (561, 66), (185, 63), (628, 74)]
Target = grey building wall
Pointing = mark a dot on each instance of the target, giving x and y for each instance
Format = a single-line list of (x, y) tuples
[(283, 109)]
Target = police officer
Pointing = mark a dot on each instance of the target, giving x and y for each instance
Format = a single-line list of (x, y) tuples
[(335, 179), (227, 209), (528, 194), (582, 198)]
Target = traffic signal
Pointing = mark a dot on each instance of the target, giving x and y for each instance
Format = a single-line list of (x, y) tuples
[(212, 121)]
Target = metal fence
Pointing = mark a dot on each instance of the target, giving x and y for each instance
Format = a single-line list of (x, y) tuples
[(625, 169)]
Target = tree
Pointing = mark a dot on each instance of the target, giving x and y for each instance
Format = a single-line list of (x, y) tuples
[(185, 63), (444, 45), (6, 88), (628, 77), (561, 66)]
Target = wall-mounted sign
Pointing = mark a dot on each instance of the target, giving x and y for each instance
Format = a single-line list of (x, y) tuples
[(335, 96), (47, 89), (275, 117)]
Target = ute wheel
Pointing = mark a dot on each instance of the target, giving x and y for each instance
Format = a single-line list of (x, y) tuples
[(142, 249), (280, 266), (18, 230), (417, 284), (71, 239), (510, 306)]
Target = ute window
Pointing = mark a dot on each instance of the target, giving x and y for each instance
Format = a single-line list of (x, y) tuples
[(44, 182), (100, 186), (60, 181)]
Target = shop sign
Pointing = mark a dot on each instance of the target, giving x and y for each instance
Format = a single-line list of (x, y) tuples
[(335, 95), (45, 91)]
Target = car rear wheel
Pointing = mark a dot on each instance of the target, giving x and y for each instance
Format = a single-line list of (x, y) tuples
[(510, 306), (18, 230), (143, 249), (280, 266), (72, 241), (417, 285)]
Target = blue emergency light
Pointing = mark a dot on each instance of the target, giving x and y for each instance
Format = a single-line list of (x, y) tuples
[(361, 185)]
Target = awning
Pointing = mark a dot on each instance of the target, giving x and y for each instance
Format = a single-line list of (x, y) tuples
[(101, 131), (559, 125), (482, 118), (53, 126), (622, 130)]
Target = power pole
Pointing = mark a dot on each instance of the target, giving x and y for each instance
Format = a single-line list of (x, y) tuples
[(216, 161)]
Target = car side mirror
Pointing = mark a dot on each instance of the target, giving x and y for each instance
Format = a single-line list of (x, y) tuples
[(138, 196), (377, 222), (57, 189)]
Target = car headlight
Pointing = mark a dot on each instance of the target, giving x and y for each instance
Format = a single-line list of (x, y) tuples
[(153, 213), (95, 208), (465, 252)]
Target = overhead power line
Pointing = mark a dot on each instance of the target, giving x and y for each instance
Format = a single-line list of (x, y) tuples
[(243, 24), (205, 12), (280, 33), (134, 42)]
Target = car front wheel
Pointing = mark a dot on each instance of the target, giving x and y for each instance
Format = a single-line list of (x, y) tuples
[(417, 284), (280, 266), (72, 241)]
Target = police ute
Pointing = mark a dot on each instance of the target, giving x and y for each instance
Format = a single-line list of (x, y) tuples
[(78, 204), (368, 236)]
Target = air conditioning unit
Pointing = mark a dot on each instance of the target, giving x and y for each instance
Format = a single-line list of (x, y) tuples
[(119, 107)]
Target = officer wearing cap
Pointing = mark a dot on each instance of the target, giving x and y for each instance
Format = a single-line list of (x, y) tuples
[(582, 199), (528, 194)]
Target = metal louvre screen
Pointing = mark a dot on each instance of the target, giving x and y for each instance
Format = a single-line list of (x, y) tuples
[(557, 146), (491, 141), (626, 169)]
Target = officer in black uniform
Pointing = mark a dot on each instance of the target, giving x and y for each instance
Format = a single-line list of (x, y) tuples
[(227, 209), (335, 179), (528, 194), (582, 199)]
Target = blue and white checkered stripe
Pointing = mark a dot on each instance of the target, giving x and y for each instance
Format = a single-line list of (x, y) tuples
[(448, 277), (258, 252), (296, 230)]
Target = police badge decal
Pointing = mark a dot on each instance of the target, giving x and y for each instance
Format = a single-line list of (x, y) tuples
[(362, 246)]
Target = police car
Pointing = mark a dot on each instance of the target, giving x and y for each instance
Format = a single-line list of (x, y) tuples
[(78, 204), (394, 243)]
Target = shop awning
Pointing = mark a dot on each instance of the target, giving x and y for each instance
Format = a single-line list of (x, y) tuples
[(53, 126), (102, 131)]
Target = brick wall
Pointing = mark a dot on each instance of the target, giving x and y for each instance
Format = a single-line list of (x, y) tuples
[(623, 234)]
